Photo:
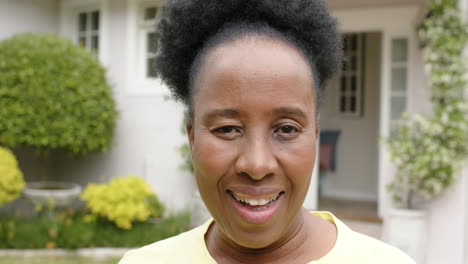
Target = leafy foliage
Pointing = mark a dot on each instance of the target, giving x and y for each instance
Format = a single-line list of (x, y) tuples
[(122, 201), (428, 151), (186, 153), (11, 177), (72, 230), (54, 95)]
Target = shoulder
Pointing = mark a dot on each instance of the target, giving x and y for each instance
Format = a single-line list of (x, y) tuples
[(364, 249), (378, 251), (354, 247), (182, 248)]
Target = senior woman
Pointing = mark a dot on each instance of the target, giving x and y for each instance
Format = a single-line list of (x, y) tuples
[(251, 74)]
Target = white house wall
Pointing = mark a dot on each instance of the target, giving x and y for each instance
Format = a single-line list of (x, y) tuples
[(393, 22), (356, 175), (22, 16), (148, 129), (347, 4)]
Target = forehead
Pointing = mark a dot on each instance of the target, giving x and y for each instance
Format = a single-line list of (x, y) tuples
[(254, 68)]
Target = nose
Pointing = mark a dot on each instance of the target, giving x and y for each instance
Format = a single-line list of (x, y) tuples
[(256, 159)]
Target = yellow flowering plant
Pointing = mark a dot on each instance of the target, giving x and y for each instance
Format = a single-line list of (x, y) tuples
[(122, 201), (11, 177)]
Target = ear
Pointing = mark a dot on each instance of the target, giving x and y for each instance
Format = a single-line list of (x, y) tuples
[(190, 134)]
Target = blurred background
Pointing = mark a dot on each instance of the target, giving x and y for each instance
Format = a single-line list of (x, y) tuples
[(100, 126)]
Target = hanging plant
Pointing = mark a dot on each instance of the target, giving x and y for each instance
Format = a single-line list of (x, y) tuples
[(429, 151)]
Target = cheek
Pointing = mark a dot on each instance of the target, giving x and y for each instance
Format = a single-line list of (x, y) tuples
[(212, 158), (299, 162)]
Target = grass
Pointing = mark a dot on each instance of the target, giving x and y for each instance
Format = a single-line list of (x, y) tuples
[(55, 260)]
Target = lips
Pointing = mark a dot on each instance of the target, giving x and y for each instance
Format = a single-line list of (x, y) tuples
[(256, 203), (256, 207)]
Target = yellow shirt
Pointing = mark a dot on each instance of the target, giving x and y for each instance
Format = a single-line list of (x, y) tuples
[(189, 247)]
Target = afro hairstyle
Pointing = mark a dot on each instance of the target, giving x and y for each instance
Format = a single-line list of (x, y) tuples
[(192, 26)]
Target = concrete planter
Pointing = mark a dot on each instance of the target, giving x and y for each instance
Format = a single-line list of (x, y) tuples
[(52, 194), (406, 229)]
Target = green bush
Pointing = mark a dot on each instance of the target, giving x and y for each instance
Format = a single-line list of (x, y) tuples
[(429, 151), (72, 231), (142, 233), (11, 177), (123, 201), (75, 233), (27, 233), (53, 95)]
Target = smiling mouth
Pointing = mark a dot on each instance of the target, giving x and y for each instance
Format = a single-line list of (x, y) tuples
[(256, 204), (253, 209)]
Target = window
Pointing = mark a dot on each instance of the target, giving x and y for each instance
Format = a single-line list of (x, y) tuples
[(399, 80), (148, 19), (351, 80), (88, 30)]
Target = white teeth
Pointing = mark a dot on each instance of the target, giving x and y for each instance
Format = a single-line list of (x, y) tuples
[(256, 202)]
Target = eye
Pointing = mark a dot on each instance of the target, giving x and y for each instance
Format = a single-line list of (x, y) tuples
[(287, 131), (228, 132)]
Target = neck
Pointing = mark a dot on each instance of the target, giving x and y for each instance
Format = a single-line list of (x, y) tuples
[(292, 245)]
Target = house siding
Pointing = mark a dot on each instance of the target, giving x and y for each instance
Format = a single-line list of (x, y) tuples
[(25, 16), (148, 130)]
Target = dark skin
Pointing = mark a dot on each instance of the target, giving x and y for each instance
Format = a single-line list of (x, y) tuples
[(254, 135)]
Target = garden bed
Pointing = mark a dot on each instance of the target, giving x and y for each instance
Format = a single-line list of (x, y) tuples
[(55, 260), (74, 230)]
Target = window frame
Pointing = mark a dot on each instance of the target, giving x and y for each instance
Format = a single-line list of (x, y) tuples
[(89, 33), (404, 64), (137, 81), (69, 11), (348, 74), (146, 27)]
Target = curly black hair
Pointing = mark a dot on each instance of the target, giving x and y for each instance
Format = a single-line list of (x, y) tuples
[(192, 27)]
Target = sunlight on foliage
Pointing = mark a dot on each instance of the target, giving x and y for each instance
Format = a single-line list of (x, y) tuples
[(122, 201), (11, 177), (53, 95)]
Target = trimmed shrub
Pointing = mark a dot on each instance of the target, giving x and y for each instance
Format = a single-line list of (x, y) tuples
[(53, 95), (11, 177), (122, 201)]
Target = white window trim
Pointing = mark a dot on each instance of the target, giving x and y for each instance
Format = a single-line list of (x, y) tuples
[(69, 10), (359, 74), (399, 65), (137, 82), (357, 20), (89, 33)]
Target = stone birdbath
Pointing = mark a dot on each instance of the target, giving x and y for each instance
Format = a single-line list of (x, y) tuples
[(52, 195)]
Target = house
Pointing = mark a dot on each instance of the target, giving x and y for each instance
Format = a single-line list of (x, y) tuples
[(383, 77)]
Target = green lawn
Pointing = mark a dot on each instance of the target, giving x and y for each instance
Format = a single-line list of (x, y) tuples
[(55, 260)]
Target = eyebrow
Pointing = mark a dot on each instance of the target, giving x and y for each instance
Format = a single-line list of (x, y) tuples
[(230, 113), (290, 111)]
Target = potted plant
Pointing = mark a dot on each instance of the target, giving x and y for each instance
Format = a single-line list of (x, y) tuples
[(428, 151), (54, 96)]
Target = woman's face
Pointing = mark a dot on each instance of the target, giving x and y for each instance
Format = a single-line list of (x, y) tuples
[(253, 138)]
